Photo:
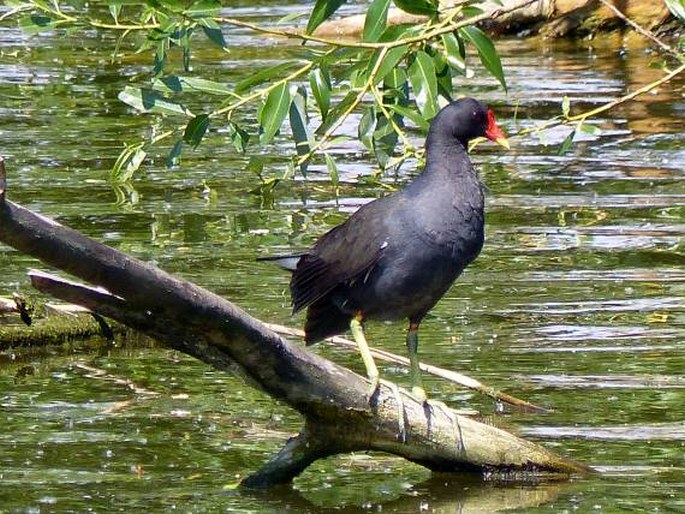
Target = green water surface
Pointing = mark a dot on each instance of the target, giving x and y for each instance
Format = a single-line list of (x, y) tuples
[(577, 302)]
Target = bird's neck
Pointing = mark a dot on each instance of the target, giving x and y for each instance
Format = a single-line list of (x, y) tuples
[(447, 155)]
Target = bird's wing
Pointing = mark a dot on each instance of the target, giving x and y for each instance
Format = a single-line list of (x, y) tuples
[(344, 253)]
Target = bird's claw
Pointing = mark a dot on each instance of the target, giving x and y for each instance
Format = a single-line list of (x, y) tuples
[(401, 427), (419, 393), (374, 390), (431, 405)]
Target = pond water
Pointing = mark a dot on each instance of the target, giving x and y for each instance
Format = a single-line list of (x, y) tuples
[(577, 302)]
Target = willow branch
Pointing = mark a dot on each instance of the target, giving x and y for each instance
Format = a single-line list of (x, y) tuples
[(443, 27), (360, 96), (579, 118), (433, 33)]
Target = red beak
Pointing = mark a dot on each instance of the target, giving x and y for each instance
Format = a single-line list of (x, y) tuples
[(494, 132)]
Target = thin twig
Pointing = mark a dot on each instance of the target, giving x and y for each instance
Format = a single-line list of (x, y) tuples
[(452, 376), (360, 96), (391, 119), (644, 32), (446, 26), (438, 31), (605, 107)]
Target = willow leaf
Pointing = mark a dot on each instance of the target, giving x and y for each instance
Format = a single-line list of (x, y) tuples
[(323, 9), (274, 111), (320, 82), (196, 130), (376, 20), (265, 75), (487, 52), (425, 84), (146, 100)]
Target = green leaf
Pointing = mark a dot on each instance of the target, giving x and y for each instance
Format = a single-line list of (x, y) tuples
[(174, 157), (213, 32), (566, 143), (239, 137), (391, 60), (196, 130), (323, 9), (146, 100), (425, 84), (273, 112), (265, 75), (337, 111), (176, 84), (367, 126), (36, 23), (486, 51), (592, 130), (397, 32), (454, 52), (395, 83), (128, 162), (256, 166), (376, 20), (332, 170), (411, 115), (320, 82), (203, 8), (443, 74), (421, 7), (469, 11), (115, 10), (299, 123), (384, 142), (677, 7), (184, 43), (289, 18), (565, 106), (160, 58)]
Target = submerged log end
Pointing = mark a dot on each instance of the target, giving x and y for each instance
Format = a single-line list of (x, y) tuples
[(296, 456)]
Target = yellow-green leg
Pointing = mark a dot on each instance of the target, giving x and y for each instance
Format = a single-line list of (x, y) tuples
[(417, 389), (359, 337), (372, 372)]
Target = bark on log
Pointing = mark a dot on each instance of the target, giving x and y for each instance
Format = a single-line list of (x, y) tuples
[(197, 322)]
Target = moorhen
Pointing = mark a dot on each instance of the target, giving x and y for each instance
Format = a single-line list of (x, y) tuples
[(397, 256)]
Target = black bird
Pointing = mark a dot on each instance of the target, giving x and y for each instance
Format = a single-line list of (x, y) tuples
[(397, 256)]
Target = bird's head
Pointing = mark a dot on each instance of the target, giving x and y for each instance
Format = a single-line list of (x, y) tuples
[(467, 119)]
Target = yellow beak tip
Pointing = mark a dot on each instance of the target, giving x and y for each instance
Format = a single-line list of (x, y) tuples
[(502, 141)]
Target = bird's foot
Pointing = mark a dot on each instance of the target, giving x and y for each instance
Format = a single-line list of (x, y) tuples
[(374, 391), (451, 414), (374, 388), (419, 393), (401, 427)]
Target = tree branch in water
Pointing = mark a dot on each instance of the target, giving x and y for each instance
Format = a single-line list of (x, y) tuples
[(199, 323)]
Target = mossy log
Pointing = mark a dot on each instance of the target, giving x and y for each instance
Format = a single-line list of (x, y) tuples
[(199, 323)]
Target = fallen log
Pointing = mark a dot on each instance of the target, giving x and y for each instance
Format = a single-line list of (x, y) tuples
[(551, 19), (51, 324), (190, 319)]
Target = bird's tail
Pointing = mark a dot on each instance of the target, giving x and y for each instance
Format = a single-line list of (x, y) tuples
[(324, 319), (288, 262)]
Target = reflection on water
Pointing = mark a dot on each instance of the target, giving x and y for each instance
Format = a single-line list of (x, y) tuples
[(577, 302)]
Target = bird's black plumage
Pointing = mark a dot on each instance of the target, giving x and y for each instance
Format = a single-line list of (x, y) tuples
[(396, 256)]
